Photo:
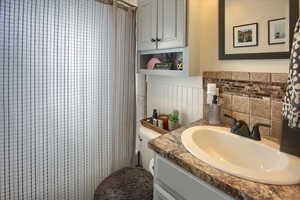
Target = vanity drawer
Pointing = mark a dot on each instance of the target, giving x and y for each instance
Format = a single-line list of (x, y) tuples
[(183, 185), (161, 194)]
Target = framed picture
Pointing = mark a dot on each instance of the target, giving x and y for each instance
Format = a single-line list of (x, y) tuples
[(277, 31), (245, 35)]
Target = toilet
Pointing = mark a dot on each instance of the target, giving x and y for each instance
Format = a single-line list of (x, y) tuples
[(134, 183), (146, 154)]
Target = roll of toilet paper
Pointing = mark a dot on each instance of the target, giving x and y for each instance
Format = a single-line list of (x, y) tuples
[(151, 166)]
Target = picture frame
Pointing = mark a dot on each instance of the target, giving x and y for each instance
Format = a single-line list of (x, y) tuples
[(277, 31), (292, 20), (245, 35)]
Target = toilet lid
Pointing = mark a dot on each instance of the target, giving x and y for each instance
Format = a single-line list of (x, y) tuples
[(151, 166)]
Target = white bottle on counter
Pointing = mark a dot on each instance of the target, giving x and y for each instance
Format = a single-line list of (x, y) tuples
[(212, 91)]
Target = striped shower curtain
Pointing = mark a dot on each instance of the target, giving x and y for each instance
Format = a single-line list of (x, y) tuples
[(66, 97)]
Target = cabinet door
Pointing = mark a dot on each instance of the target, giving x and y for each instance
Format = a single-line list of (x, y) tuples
[(147, 25), (171, 23)]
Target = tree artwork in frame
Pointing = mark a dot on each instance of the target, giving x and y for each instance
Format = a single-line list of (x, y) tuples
[(245, 35)]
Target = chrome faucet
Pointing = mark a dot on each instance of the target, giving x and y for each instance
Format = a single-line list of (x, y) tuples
[(240, 127)]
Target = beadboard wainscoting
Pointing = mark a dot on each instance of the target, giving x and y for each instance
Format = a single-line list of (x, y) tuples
[(183, 94)]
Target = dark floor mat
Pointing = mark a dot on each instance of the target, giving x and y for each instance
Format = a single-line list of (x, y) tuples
[(126, 184)]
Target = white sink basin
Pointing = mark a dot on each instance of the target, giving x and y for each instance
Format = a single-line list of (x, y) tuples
[(239, 156)]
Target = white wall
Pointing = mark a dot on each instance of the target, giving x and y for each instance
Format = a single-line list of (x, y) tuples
[(209, 47)]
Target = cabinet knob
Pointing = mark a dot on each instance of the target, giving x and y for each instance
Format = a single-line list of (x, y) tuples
[(158, 40), (153, 40)]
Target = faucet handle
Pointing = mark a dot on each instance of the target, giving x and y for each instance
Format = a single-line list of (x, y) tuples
[(255, 134), (235, 124), (230, 117)]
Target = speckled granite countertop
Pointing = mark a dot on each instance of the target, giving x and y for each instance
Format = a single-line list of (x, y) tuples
[(169, 146)]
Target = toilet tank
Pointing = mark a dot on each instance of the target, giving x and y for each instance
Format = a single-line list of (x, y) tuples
[(146, 153)]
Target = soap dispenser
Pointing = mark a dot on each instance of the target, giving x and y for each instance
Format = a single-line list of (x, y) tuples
[(214, 112)]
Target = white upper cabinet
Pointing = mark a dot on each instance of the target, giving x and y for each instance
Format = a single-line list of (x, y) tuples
[(169, 30), (161, 24), (171, 26), (147, 25)]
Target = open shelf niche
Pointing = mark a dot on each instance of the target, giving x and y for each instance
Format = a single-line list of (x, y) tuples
[(173, 62)]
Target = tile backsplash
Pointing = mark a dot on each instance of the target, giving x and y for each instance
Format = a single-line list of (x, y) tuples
[(252, 97)]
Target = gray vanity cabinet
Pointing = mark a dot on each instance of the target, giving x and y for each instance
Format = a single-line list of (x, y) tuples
[(173, 183)]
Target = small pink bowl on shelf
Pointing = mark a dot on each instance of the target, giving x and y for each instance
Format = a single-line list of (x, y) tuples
[(152, 62)]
